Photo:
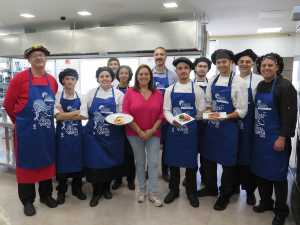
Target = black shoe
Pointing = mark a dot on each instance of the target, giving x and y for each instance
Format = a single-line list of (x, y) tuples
[(206, 192), (107, 194), (95, 200), (262, 207), (29, 209), (184, 182), (117, 184), (60, 198), (131, 185), (166, 177), (171, 196), (49, 201), (194, 201), (221, 203), (278, 220), (251, 200), (79, 194)]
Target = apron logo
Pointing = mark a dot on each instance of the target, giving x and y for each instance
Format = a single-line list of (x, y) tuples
[(260, 124), (42, 109), (263, 106), (69, 128), (183, 129), (185, 105), (99, 124), (220, 99), (105, 110)]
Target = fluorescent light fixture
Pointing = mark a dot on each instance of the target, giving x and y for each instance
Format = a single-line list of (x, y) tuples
[(3, 34), (170, 5), (27, 15), (84, 13), (269, 30)]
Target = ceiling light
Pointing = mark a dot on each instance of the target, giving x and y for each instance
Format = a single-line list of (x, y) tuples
[(3, 34), (84, 13), (27, 15), (269, 30), (169, 5)]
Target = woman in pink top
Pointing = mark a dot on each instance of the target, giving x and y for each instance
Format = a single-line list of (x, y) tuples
[(145, 104)]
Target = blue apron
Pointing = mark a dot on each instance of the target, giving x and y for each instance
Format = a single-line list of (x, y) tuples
[(246, 129), (181, 143), (266, 162), (35, 128), (103, 142), (201, 123), (221, 137), (69, 139), (161, 83)]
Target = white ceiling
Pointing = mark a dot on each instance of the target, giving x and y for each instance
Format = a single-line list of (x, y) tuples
[(225, 17)]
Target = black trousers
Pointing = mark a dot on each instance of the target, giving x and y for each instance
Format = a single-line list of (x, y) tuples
[(245, 178), (191, 183), (129, 165), (62, 180), (164, 167), (228, 178), (266, 187), (27, 192), (201, 170), (100, 187)]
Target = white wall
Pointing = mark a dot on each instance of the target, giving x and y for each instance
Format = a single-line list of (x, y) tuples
[(287, 45)]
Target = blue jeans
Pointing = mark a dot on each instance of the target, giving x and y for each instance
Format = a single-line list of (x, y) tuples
[(141, 150)]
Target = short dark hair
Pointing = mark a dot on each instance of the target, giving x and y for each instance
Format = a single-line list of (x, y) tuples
[(113, 59), (276, 58), (107, 69), (129, 72), (159, 47), (136, 82)]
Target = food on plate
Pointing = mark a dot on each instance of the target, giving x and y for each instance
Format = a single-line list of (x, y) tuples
[(119, 120), (184, 117)]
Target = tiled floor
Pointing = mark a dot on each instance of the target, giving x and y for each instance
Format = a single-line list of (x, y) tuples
[(124, 210)]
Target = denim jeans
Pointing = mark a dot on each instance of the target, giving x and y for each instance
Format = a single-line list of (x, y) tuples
[(141, 150)]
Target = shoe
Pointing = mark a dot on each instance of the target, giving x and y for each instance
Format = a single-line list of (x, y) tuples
[(95, 200), (171, 196), (206, 192), (49, 201), (155, 200), (141, 197), (61, 197), (107, 194), (131, 185), (251, 200), (29, 209), (80, 195), (221, 203), (194, 201), (278, 220), (262, 207), (117, 184)]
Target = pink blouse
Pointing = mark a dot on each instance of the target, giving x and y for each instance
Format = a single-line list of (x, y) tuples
[(145, 112)]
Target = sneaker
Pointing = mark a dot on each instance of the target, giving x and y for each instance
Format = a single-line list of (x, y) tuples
[(155, 200), (29, 209), (171, 196), (141, 197), (221, 203), (49, 201), (278, 220)]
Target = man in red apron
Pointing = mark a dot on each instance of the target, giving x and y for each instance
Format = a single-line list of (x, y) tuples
[(29, 102)]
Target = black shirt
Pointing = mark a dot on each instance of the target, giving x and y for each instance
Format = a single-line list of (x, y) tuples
[(285, 100)]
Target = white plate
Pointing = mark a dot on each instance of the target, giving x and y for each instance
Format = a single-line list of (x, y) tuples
[(125, 117), (223, 115), (183, 122)]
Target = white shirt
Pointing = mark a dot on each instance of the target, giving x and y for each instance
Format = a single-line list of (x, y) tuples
[(172, 77), (88, 99), (239, 93), (256, 78), (115, 83), (57, 99), (183, 88)]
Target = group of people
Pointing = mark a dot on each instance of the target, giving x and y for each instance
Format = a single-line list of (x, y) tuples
[(252, 142)]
